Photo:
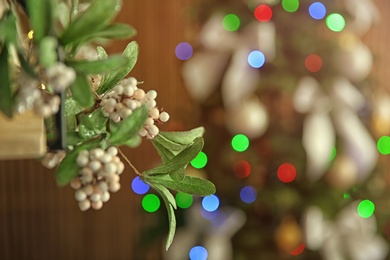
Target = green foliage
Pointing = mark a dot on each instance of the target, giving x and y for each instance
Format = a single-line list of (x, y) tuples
[(81, 91), (102, 66), (123, 131), (40, 13), (6, 98), (131, 52), (91, 21)]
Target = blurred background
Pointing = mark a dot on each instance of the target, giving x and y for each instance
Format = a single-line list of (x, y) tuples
[(295, 102)]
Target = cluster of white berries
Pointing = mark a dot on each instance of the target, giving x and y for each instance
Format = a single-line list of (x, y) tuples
[(98, 176), (59, 76), (30, 97), (51, 160), (125, 98)]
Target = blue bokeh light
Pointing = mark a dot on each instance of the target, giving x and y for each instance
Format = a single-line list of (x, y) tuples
[(210, 203), (248, 194), (317, 10), (198, 253), (256, 59), (139, 186)]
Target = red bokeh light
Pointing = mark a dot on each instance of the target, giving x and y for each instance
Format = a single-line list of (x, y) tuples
[(313, 63), (299, 250), (287, 172), (263, 13), (242, 169)]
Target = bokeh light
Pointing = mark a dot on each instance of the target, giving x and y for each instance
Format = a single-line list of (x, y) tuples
[(383, 145), (198, 253), (183, 51), (256, 59), (248, 194), (242, 169), (263, 13), (199, 161), (313, 63), (210, 203), (151, 203), (366, 208), (299, 250), (184, 200), (240, 143), (139, 186), (231, 22), (346, 196), (335, 22), (317, 10), (290, 5), (333, 154), (286, 172)]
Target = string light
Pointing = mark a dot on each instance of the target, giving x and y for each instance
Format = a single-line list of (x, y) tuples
[(290, 5), (263, 13), (299, 250), (183, 51), (184, 200), (151, 203), (210, 203), (248, 194), (366, 208), (333, 154), (240, 143), (335, 22), (383, 145), (242, 169), (199, 161), (256, 59), (286, 172), (139, 186), (313, 63), (198, 253), (30, 34), (317, 10), (231, 22)]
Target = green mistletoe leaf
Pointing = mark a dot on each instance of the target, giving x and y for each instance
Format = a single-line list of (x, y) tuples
[(96, 17), (190, 184), (179, 161), (8, 29), (72, 107), (102, 66), (169, 144), (170, 204), (6, 98), (40, 17), (112, 31), (123, 131), (81, 91), (131, 53), (92, 124)]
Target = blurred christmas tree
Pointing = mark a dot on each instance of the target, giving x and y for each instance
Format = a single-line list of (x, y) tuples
[(294, 131)]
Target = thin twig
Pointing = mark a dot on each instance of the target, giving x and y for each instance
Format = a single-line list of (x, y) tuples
[(129, 163)]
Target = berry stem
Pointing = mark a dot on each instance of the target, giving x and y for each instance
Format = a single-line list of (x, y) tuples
[(128, 162)]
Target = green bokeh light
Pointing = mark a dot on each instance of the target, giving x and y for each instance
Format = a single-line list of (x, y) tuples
[(199, 161), (184, 200), (240, 142), (335, 22), (151, 203), (231, 22), (346, 196), (333, 154), (290, 5), (366, 208), (383, 145)]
